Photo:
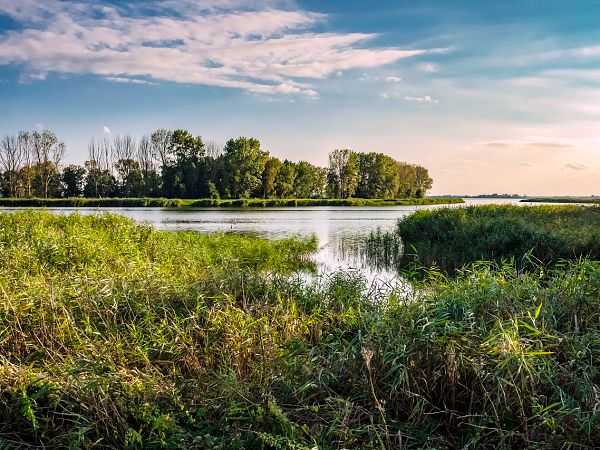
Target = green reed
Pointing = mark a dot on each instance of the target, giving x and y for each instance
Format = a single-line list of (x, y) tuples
[(115, 335)]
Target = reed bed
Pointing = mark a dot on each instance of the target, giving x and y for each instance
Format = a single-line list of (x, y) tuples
[(115, 335), (449, 238)]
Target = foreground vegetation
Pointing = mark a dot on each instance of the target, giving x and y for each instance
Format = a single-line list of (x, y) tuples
[(585, 200), (449, 238), (114, 335), (209, 202)]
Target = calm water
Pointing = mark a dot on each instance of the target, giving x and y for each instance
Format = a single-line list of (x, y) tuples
[(340, 230)]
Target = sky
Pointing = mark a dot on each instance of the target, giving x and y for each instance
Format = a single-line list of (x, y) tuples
[(498, 96)]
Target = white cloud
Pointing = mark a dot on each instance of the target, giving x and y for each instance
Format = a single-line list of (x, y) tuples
[(106, 130), (260, 47), (577, 166), (428, 67), (393, 79), (424, 99), (542, 142), (128, 80)]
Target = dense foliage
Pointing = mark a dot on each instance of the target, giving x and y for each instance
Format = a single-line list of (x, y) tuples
[(115, 335), (452, 237), (176, 164)]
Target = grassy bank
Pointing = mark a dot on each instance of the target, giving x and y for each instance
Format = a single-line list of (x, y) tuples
[(584, 200), (203, 203), (450, 238), (114, 335)]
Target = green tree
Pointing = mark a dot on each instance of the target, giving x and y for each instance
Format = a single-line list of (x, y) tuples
[(285, 180), (269, 177), (244, 163), (343, 173), (131, 179), (378, 176), (99, 183), (73, 178), (423, 181), (407, 177), (183, 175), (310, 181), (48, 152)]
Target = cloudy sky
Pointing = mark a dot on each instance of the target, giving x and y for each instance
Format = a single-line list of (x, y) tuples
[(490, 96)]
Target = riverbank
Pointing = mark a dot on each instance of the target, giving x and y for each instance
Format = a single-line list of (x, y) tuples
[(583, 200), (116, 335), (80, 202)]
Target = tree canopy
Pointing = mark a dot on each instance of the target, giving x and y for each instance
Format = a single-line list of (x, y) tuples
[(178, 164)]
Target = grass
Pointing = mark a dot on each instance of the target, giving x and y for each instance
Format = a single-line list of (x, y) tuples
[(208, 202), (585, 200), (450, 238), (115, 335)]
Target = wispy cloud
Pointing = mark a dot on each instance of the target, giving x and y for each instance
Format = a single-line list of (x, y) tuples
[(428, 67), (424, 99), (393, 79), (260, 47), (106, 130), (128, 80), (526, 164), (542, 142), (577, 166)]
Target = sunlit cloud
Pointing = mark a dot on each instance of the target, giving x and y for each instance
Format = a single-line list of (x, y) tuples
[(106, 130), (577, 166), (541, 142), (258, 47)]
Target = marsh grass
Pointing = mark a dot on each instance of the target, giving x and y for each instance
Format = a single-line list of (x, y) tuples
[(115, 335), (449, 238)]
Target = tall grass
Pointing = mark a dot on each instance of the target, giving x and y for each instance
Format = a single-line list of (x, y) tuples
[(115, 335), (214, 202), (450, 238)]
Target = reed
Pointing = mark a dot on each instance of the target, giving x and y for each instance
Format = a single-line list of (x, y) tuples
[(449, 238), (115, 335)]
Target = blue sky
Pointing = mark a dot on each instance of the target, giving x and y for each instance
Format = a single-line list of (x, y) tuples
[(490, 96)]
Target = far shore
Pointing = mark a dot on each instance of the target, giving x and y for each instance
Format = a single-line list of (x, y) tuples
[(587, 200), (215, 202)]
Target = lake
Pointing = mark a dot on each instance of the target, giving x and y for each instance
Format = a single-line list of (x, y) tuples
[(340, 230)]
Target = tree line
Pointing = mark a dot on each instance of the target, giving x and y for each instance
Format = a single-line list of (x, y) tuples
[(177, 164)]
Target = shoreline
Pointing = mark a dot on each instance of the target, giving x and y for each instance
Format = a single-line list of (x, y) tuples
[(217, 203)]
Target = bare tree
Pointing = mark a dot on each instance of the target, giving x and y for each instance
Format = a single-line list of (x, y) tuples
[(214, 150), (123, 147), (10, 160), (25, 143), (145, 156), (48, 152), (105, 154), (124, 151), (160, 141)]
